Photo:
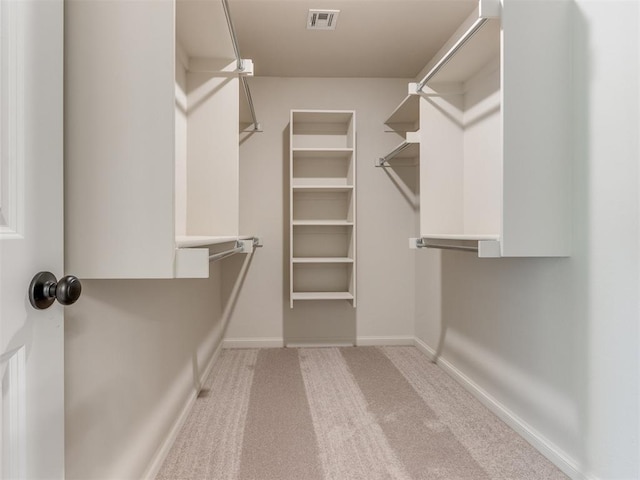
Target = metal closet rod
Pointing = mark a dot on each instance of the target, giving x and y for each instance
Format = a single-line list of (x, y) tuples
[(239, 248), (477, 25), (441, 246), (383, 160), (227, 253), (240, 63), (424, 243)]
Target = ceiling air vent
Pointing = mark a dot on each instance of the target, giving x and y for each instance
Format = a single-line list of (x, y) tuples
[(322, 19)]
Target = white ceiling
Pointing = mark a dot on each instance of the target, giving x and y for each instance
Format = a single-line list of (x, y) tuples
[(373, 38)]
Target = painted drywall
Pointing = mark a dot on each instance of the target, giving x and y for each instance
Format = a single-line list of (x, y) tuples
[(554, 342), (385, 219), (135, 352)]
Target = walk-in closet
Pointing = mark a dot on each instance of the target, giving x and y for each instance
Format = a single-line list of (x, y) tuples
[(352, 239)]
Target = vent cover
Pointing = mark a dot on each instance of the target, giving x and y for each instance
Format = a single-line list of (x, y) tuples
[(322, 19)]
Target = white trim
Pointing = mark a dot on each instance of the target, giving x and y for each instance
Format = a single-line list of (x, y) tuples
[(559, 458), (265, 342), (12, 123), (424, 348), (319, 344), (161, 454), (398, 340), (13, 412), (182, 56)]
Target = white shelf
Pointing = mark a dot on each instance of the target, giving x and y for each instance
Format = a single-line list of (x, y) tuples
[(322, 188), (322, 260), (322, 296), (406, 117), (340, 118), (322, 152), (320, 223)]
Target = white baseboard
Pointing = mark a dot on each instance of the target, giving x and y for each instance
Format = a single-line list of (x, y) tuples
[(424, 348), (381, 341), (266, 342), (163, 451), (318, 344), (539, 442)]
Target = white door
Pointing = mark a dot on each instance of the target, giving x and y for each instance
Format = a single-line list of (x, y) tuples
[(31, 237)]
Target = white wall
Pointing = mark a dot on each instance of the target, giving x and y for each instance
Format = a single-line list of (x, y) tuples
[(135, 352), (554, 342), (385, 219)]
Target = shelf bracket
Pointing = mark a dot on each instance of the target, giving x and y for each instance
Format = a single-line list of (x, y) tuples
[(245, 68), (417, 243), (257, 242)]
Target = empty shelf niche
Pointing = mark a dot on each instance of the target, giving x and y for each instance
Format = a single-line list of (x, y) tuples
[(327, 280), (323, 205), (322, 129), (322, 242), (322, 167)]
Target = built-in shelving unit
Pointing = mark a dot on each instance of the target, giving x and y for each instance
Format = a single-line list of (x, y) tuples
[(152, 171), (495, 130), (322, 206)]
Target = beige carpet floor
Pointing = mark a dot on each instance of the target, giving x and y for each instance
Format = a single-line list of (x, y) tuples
[(344, 413)]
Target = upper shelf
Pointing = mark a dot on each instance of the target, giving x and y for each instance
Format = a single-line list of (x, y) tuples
[(202, 31), (482, 49), (475, 44), (322, 130), (406, 117), (340, 120)]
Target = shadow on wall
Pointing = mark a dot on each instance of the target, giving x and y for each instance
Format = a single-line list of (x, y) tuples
[(134, 351), (234, 274), (405, 175), (310, 322), (519, 328), (132, 355)]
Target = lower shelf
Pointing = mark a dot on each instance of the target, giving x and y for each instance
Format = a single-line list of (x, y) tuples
[(322, 296)]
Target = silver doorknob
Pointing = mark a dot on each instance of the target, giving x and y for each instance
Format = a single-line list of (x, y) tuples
[(45, 289)]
